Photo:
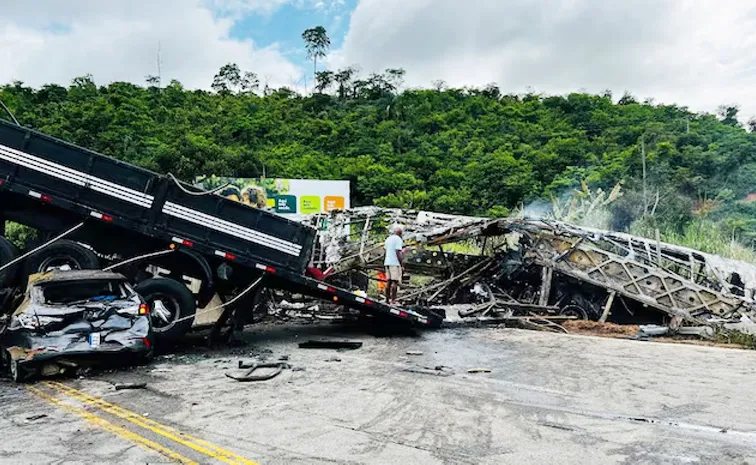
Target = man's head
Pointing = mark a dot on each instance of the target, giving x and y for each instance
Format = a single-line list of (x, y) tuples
[(398, 231)]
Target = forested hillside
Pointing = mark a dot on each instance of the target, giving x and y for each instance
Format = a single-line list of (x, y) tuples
[(471, 151)]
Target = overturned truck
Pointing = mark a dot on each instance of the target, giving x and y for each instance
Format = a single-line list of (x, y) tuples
[(512, 268)]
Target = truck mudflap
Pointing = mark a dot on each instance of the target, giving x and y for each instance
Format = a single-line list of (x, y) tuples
[(309, 286)]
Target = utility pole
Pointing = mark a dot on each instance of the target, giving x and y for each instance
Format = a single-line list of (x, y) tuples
[(643, 156), (687, 124), (160, 77)]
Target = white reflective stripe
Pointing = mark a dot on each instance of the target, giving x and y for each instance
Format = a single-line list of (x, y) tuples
[(220, 254), (233, 229), (230, 228), (120, 192), (260, 266), (422, 320), (36, 195), (75, 177), (360, 300), (38, 164), (178, 240), (394, 311), (322, 287), (97, 215)]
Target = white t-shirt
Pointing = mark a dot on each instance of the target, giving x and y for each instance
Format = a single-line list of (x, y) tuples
[(392, 244)]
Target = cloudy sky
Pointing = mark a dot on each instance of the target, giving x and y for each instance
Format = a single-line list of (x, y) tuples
[(697, 53)]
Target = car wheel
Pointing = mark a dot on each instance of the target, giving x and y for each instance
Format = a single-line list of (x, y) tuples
[(8, 252), (172, 307), (17, 372), (61, 255)]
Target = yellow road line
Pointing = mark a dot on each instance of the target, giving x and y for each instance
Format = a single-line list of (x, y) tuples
[(197, 444), (119, 431)]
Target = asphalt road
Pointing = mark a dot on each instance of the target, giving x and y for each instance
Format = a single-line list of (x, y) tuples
[(548, 399)]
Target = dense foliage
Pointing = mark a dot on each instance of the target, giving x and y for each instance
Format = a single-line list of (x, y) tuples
[(471, 151)]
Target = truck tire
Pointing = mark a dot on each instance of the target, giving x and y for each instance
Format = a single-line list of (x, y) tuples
[(7, 253), (582, 307), (171, 307), (60, 254)]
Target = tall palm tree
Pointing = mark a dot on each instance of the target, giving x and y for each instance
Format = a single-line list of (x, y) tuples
[(317, 44)]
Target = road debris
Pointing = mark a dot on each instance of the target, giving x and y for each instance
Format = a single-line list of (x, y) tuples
[(161, 370), (652, 331), (414, 352), (438, 370), (479, 370), (36, 417), (557, 426), (327, 344), (252, 367), (124, 386)]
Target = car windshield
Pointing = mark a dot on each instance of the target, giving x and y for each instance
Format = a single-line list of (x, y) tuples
[(83, 291)]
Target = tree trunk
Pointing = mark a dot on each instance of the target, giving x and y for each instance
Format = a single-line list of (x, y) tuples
[(314, 73)]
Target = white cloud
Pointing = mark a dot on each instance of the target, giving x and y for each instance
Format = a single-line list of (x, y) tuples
[(697, 53), (118, 41)]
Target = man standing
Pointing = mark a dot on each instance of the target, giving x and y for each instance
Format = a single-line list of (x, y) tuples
[(393, 264)]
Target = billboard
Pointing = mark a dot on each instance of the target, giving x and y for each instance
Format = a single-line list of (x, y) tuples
[(284, 196)]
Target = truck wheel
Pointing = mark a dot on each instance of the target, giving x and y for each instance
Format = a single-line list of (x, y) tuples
[(62, 254), (574, 310), (171, 306), (8, 252)]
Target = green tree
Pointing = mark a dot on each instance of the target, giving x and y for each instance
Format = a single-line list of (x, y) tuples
[(323, 80), (729, 114), (317, 44), (227, 79)]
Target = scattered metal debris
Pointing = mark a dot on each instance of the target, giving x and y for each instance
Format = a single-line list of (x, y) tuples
[(439, 370), (252, 367), (36, 417), (347, 345), (479, 370), (557, 426), (161, 370), (652, 331), (414, 352), (123, 386)]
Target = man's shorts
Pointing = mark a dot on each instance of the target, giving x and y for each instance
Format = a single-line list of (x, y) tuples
[(394, 273)]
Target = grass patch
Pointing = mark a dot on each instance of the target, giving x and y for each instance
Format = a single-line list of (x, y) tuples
[(724, 336)]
